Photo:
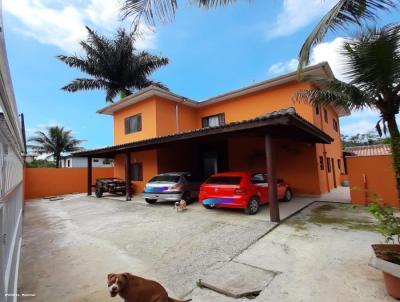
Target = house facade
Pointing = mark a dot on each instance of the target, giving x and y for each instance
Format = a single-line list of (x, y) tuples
[(160, 131)]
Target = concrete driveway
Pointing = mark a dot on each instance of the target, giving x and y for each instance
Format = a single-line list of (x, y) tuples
[(319, 254), (70, 245)]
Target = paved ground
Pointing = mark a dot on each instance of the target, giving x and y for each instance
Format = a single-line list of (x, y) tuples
[(70, 245), (320, 254), (285, 208)]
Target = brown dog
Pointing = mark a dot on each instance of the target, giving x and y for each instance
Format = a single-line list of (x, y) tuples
[(136, 289)]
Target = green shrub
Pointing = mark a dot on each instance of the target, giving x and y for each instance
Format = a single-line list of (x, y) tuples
[(388, 223), (41, 163)]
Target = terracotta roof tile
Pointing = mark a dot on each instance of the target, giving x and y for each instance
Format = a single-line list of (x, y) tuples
[(372, 150)]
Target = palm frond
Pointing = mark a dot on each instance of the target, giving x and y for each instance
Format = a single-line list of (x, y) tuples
[(54, 141), (373, 59), (111, 94), (163, 10), (342, 15), (215, 3), (115, 64), (151, 10), (337, 94), (85, 84), (81, 64)]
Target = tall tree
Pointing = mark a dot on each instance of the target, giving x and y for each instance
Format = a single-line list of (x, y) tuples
[(54, 141), (114, 64), (341, 16), (365, 139), (372, 62)]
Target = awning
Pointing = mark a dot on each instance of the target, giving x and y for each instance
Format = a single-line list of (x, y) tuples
[(284, 123)]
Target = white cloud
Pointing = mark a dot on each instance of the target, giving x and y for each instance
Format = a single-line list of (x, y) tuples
[(356, 126), (283, 67), (297, 14), (324, 52), (63, 24), (331, 52)]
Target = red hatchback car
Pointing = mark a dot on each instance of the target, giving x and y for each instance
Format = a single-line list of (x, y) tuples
[(241, 190)]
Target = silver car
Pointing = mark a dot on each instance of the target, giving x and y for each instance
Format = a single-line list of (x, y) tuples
[(172, 186)]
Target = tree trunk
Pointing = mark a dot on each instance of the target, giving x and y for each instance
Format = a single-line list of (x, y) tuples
[(395, 144), (57, 161)]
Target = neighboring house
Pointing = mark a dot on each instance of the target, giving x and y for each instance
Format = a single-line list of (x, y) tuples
[(30, 158), (157, 131), (370, 172), (12, 150), (81, 162)]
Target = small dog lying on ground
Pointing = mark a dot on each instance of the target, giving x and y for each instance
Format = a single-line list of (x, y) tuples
[(180, 205), (136, 289)]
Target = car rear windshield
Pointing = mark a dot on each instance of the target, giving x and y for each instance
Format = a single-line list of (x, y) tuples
[(165, 178), (224, 180)]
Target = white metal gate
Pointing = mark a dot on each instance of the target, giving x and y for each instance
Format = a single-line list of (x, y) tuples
[(11, 196), (11, 180)]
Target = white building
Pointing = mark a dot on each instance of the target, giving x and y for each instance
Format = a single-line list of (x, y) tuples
[(81, 162)]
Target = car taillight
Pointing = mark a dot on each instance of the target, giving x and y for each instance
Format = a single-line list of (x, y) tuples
[(240, 191)]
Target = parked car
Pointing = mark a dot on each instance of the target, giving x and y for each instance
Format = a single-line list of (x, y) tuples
[(242, 190), (172, 186)]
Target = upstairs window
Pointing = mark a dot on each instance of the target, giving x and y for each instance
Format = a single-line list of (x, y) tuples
[(335, 125), (325, 115), (213, 120), (133, 124), (317, 110), (137, 172)]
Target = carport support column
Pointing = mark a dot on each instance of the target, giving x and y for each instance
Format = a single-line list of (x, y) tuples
[(128, 175), (89, 176), (272, 182)]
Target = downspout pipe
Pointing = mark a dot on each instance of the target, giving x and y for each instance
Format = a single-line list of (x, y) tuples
[(178, 130)]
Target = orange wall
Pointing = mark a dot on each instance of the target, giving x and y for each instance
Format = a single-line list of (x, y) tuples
[(42, 182), (259, 103), (380, 181), (149, 162), (295, 162), (333, 150), (166, 117), (147, 109), (158, 118)]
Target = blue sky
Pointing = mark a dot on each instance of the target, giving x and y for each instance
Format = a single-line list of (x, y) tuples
[(210, 52)]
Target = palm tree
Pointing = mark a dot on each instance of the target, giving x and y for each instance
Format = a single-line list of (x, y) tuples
[(115, 65), (55, 141), (372, 62), (342, 15)]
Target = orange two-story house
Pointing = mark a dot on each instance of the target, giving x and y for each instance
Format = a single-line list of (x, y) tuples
[(157, 131)]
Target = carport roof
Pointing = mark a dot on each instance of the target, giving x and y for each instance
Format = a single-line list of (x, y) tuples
[(285, 123)]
